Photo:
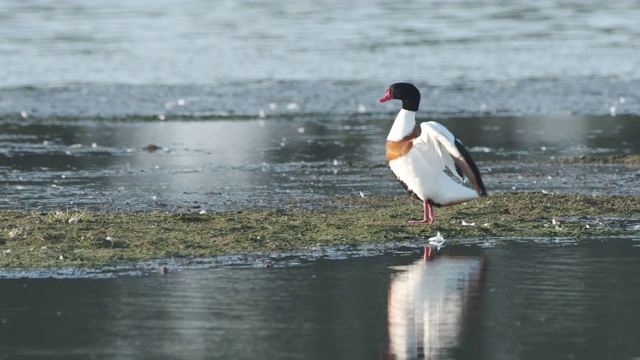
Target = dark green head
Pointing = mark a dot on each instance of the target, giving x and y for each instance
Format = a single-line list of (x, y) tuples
[(409, 94)]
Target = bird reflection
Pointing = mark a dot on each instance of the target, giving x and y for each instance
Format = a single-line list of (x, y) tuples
[(427, 305)]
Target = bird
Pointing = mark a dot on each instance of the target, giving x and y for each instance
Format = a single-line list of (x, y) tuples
[(427, 159), (437, 241)]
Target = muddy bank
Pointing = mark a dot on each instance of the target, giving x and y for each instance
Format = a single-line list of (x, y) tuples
[(91, 239)]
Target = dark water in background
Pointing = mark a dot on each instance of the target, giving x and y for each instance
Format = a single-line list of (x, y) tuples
[(256, 102), (253, 103)]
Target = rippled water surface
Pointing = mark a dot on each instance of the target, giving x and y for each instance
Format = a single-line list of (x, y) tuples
[(169, 41), (191, 105), (227, 164), (252, 103)]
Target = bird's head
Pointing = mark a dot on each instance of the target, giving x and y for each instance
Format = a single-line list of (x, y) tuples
[(408, 93)]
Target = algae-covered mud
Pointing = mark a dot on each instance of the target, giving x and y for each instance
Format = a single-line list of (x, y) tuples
[(94, 192), (29, 239)]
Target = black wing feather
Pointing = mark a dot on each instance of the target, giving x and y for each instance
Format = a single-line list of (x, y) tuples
[(472, 166)]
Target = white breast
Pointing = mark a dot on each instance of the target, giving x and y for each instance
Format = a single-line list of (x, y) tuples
[(422, 173)]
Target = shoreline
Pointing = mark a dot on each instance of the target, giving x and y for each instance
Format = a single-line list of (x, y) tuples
[(93, 240)]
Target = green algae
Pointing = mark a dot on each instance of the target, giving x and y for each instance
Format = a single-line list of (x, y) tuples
[(98, 239)]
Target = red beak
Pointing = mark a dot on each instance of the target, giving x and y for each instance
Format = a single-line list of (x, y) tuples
[(386, 97)]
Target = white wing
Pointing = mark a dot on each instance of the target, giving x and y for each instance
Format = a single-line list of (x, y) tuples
[(437, 138)]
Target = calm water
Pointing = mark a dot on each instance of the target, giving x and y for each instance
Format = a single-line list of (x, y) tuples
[(532, 300), (251, 103)]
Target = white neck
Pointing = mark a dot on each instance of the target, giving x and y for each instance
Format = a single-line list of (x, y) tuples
[(403, 125)]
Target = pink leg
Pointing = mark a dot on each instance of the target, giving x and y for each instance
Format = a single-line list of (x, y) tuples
[(429, 216), (428, 253)]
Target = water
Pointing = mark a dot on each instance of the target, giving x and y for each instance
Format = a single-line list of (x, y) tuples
[(228, 164), (176, 42), (551, 300), (252, 103)]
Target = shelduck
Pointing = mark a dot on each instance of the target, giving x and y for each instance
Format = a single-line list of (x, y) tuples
[(420, 155)]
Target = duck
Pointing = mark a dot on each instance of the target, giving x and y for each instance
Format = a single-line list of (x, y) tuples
[(427, 159)]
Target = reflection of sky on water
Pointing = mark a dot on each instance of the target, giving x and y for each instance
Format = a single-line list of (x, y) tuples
[(227, 164), (520, 300), (428, 302)]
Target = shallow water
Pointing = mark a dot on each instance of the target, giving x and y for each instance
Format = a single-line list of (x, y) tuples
[(544, 299), (227, 164)]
